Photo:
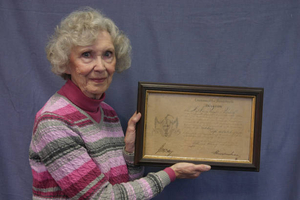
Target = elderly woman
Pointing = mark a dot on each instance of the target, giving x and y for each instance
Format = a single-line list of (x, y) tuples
[(78, 149)]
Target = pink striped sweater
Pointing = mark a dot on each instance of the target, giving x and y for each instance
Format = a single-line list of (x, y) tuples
[(76, 155)]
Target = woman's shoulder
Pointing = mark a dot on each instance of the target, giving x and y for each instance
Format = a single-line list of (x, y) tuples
[(59, 108), (55, 104), (58, 111)]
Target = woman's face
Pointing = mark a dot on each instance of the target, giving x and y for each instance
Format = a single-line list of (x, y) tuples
[(92, 67)]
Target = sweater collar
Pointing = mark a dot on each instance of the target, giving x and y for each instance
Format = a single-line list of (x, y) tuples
[(76, 96)]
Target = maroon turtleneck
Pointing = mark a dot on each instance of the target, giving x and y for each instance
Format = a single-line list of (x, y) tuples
[(76, 96)]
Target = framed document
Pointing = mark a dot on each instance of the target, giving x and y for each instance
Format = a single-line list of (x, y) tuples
[(215, 125)]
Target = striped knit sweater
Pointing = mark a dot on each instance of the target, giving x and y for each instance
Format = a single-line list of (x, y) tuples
[(73, 156)]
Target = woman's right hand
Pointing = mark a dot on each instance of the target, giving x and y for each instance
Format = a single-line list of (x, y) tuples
[(131, 132), (189, 170)]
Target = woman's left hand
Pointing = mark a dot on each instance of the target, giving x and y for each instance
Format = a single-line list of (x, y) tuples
[(130, 132)]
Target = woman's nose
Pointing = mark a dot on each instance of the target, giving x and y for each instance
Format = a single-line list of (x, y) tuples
[(99, 64)]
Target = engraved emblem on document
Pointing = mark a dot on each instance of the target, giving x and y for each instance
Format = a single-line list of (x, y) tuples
[(167, 127)]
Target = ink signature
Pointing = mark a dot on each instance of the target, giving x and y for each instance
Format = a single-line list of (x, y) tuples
[(162, 149), (225, 154)]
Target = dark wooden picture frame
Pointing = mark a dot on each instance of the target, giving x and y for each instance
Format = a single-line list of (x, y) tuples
[(215, 125)]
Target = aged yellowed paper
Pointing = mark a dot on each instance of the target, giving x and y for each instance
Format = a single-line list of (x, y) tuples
[(193, 126)]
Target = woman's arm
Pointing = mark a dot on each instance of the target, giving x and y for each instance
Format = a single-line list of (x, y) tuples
[(60, 161)]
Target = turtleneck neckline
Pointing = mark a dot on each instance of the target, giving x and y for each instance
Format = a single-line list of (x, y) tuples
[(76, 96)]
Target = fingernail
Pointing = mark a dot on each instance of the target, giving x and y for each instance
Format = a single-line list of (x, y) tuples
[(207, 167)]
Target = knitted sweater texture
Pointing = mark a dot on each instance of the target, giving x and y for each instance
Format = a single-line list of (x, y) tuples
[(72, 156)]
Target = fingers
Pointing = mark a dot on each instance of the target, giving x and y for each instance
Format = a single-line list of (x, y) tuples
[(130, 132), (134, 119), (189, 170), (132, 122), (202, 168)]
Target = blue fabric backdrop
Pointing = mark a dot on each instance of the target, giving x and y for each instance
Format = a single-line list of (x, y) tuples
[(212, 42)]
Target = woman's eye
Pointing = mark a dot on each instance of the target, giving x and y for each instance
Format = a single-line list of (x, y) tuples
[(86, 54), (108, 54)]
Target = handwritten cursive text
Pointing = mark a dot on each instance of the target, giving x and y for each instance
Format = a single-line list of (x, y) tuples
[(162, 149)]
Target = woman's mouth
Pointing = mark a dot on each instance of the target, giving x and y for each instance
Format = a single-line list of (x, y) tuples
[(98, 80)]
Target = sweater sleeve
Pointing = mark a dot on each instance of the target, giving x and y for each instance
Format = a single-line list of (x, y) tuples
[(134, 171), (62, 153), (137, 171)]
